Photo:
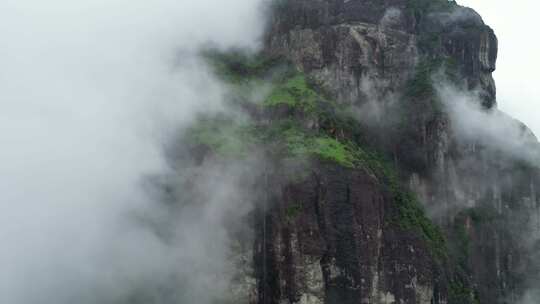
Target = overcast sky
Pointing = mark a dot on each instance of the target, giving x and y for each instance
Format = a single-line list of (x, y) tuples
[(516, 24)]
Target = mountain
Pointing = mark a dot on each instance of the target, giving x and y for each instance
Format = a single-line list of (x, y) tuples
[(380, 167)]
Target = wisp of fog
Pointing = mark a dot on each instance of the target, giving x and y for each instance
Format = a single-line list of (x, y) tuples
[(90, 92), (488, 127)]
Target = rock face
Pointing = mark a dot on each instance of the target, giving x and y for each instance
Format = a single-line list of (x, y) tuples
[(343, 42), (329, 239)]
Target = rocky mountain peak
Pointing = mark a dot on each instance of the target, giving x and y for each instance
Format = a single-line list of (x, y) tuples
[(342, 42), (390, 175), (389, 56)]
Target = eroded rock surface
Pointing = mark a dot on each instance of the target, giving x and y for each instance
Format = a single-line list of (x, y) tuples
[(338, 248), (331, 239)]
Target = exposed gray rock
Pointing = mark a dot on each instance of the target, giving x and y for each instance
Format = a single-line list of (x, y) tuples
[(344, 43), (330, 239)]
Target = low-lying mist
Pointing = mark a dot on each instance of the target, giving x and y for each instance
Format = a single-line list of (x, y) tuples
[(91, 93), (490, 128), (508, 144)]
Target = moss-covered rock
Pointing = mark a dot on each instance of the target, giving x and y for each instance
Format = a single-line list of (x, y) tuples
[(297, 123)]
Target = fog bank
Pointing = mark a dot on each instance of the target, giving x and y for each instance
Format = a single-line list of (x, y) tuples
[(90, 92)]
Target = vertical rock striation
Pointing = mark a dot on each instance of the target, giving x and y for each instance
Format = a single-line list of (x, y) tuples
[(329, 239)]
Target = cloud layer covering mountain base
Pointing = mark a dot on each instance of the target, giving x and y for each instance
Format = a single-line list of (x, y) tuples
[(91, 92)]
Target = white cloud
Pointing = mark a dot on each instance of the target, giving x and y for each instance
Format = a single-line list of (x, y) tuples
[(518, 63), (492, 128), (89, 91)]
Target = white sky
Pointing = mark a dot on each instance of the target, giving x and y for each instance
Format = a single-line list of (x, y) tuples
[(516, 24)]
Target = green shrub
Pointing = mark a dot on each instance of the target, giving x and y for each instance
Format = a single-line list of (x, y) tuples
[(410, 213), (293, 211), (302, 144), (224, 137), (293, 92)]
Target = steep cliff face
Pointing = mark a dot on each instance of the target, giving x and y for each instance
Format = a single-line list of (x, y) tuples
[(333, 223), (343, 42), (387, 52), (336, 237), (377, 183)]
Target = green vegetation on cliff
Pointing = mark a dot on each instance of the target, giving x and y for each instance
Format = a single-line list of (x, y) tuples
[(460, 293), (410, 214), (293, 92), (293, 112), (422, 85), (237, 67), (223, 137), (300, 144), (294, 121), (297, 122)]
